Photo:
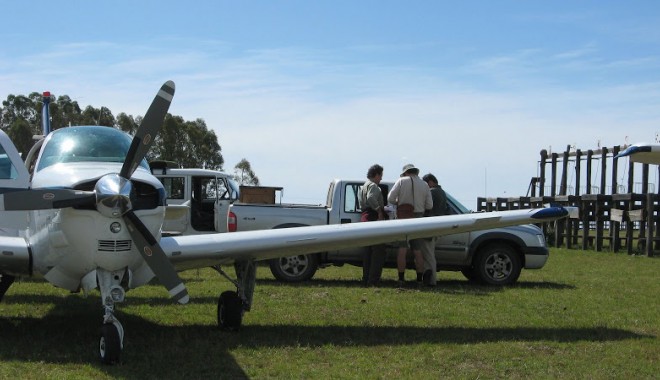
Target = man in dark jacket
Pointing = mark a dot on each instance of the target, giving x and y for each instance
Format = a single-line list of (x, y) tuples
[(428, 248)]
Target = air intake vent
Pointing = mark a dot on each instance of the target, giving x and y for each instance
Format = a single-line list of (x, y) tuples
[(115, 245)]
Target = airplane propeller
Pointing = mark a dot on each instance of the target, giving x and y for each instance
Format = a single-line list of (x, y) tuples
[(145, 242), (45, 199), (111, 196), (149, 128)]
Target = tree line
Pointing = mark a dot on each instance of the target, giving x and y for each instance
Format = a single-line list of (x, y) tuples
[(190, 144)]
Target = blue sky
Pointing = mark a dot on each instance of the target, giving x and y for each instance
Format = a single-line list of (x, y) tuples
[(308, 91)]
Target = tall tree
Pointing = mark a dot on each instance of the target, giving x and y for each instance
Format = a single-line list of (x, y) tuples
[(204, 145), (64, 112), (21, 119), (21, 107), (21, 134), (244, 175), (127, 123), (97, 116), (188, 143)]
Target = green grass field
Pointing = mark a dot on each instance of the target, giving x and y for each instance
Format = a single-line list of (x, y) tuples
[(585, 315)]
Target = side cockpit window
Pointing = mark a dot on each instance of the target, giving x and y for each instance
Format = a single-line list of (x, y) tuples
[(7, 169), (13, 173)]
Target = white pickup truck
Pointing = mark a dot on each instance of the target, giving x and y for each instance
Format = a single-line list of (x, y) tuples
[(493, 256), (197, 199)]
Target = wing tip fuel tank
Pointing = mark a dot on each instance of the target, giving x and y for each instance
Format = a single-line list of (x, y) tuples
[(550, 213)]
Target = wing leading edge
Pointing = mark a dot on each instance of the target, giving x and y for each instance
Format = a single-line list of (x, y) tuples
[(188, 252), (642, 153)]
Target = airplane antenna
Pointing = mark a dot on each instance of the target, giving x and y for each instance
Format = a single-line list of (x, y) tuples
[(45, 114)]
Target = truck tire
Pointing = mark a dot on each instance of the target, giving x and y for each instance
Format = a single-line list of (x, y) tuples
[(497, 264), (294, 268)]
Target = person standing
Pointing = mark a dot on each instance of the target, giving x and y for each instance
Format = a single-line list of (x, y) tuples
[(412, 197), (373, 208), (439, 197)]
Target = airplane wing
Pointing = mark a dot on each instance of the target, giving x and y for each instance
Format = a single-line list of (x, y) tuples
[(642, 153), (187, 252)]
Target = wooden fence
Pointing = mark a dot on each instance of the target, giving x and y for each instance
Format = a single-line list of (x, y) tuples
[(608, 217)]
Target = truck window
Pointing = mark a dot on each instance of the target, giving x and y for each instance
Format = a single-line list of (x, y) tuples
[(224, 191), (209, 189), (174, 186), (352, 197), (456, 207)]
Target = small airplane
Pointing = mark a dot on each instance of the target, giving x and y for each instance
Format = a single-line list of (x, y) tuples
[(643, 153), (84, 211)]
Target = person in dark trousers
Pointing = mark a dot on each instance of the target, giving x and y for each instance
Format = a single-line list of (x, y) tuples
[(439, 197), (372, 205)]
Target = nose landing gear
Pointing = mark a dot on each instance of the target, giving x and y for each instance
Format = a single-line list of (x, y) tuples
[(111, 341)]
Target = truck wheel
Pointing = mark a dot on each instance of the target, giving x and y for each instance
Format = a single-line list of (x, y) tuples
[(497, 264), (294, 268)]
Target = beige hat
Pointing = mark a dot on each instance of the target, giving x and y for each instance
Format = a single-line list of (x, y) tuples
[(407, 168)]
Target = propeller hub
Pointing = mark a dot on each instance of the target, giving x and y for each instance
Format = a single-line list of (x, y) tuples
[(113, 195)]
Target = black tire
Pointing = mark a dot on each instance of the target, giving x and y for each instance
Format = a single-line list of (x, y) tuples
[(230, 311), (109, 344), (294, 268), (497, 264)]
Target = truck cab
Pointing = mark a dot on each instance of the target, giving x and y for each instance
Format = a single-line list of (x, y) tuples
[(197, 199)]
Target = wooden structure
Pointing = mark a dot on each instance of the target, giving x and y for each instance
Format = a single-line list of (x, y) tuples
[(258, 194), (619, 214)]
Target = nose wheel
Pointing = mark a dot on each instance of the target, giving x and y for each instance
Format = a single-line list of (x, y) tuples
[(110, 343)]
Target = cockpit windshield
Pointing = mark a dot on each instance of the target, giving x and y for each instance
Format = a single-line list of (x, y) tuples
[(85, 144)]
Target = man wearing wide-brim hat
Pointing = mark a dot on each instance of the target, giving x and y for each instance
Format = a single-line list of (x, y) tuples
[(412, 197)]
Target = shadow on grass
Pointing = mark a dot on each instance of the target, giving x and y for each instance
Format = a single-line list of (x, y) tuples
[(442, 286), (456, 287), (68, 334)]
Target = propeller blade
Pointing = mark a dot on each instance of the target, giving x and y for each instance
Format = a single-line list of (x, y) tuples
[(44, 199), (155, 257), (149, 128)]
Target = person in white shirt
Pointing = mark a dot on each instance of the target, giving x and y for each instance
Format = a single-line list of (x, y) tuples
[(410, 192)]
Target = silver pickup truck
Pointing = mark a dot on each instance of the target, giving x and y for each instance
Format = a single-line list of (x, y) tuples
[(494, 256)]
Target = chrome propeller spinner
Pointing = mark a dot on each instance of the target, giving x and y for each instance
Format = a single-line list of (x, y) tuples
[(113, 195)]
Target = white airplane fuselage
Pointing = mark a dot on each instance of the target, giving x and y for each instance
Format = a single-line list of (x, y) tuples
[(68, 244)]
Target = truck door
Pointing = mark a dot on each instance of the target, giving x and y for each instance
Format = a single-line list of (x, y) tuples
[(351, 212), (226, 194), (453, 249), (203, 203), (177, 212)]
